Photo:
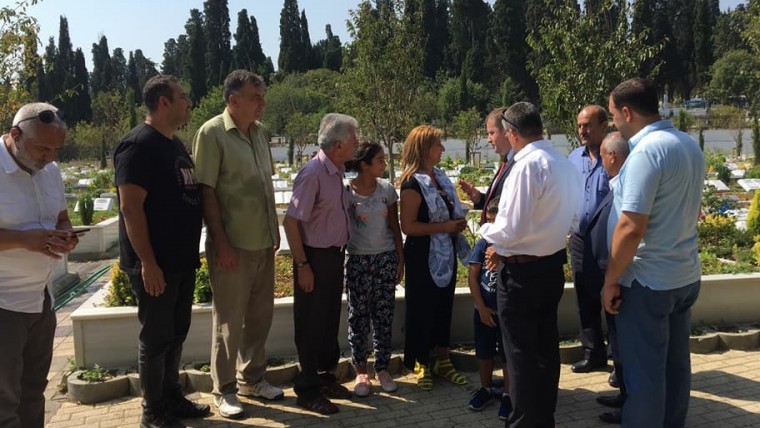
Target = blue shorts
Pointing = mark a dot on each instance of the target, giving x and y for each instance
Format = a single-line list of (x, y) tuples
[(488, 341)]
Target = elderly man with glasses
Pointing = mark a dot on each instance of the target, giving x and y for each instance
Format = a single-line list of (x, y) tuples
[(35, 232)]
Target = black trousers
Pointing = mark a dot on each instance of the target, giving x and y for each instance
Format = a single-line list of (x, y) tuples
[(588, 287), (165, 320), (612, 334), (24, 364), (527, 302), (316, 318)]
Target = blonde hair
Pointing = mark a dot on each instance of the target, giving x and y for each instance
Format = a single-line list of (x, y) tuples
[(416, 148)]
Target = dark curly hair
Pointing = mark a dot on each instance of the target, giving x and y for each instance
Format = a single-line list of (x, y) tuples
[(365, 152)]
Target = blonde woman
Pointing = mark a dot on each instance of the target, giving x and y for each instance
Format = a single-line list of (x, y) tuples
[(432, 218)]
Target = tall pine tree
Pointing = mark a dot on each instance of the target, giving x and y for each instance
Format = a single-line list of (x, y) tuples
[(508, 52), (80, 105), (468, 37), (102, 71), (119, 67)]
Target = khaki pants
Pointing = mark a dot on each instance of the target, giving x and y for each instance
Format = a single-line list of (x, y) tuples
[(243, 301)]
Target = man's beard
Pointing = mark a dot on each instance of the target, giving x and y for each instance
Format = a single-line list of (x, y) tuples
[(25, 161)]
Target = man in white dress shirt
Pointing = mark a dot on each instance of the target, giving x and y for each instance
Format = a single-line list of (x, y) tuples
[(537, 209), (34, 232)]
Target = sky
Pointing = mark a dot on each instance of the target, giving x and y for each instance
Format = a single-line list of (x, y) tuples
[(148, 24)]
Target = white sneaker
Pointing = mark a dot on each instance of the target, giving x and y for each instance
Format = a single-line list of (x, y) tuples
[(261, 389), (386, 381), (229, 406)]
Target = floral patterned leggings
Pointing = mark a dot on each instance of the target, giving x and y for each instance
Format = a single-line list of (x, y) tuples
[(371, 285)]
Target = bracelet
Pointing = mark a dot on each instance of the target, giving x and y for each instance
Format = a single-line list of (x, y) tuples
[(299, 265)]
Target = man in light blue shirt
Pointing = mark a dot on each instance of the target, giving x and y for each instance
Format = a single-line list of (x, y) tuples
[(653, 255)]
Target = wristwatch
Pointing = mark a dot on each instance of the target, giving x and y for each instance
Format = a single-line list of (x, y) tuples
[(299, 265)]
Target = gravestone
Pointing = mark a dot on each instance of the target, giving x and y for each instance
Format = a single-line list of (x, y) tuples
[(103, 204)]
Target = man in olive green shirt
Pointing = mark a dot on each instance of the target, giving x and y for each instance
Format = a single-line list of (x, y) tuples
[(233, 165)]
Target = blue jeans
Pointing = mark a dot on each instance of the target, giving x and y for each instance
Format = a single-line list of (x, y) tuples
[(653, 328)]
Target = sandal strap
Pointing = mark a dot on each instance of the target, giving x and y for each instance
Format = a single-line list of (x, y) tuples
[(445, 369)]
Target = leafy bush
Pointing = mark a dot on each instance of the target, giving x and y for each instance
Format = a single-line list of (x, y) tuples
[(717, 234), (202, 292), (753, 217), (95, 374), (756, 250), (724, 174), (86, 209), (120, 291), (103, 180)]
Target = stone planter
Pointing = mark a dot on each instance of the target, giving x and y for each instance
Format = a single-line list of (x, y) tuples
[(84, 392), (198, 381), (108, 336), (741, 341), (704, 344), (96, 243), (134, 382), (570, 353), (283, 374)]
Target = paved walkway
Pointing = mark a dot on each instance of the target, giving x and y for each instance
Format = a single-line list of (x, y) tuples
[(725, 393)]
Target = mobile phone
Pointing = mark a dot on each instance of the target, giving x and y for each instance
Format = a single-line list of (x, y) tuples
[(81, 231)]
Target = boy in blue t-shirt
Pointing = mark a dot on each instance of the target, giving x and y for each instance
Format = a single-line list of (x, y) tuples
[(488, 341)]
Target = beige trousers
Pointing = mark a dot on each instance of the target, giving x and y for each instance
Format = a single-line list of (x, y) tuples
[(243, 302)]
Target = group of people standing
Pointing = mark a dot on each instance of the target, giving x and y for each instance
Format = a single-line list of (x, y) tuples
[(648, 274)]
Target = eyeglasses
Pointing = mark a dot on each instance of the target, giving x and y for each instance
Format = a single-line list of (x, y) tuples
[(45, 116)]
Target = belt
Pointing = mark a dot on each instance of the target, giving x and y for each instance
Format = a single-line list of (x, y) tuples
[(520, 258)]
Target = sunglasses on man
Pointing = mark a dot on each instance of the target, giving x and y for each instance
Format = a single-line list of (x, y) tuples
[(45, 116)]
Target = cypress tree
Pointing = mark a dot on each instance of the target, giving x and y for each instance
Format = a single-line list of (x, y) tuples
[(133, 83), (172, 60), (216, 28), (102, 71), (468, 32), (119, 66), (242, 52), (333, 54), (195, 67), (80, 105), (290, 38)]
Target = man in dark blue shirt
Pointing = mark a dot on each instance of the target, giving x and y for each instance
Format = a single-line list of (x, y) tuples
[(592, 128)]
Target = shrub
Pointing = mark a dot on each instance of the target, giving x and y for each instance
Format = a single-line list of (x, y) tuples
[(202, 292), (103, 180), (95, 374), (717, 234), (86, 209), (756, 250), (753, 217), (724, 174), (120, 291)]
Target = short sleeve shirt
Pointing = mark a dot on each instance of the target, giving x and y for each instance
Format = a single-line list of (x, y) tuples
[(370, 230), (489, 279), (163, 168), (27, 201), (239, 168), (662, 178)]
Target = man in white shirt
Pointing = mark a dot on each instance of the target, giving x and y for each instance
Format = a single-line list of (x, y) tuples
[(34, 231), (538, 207)]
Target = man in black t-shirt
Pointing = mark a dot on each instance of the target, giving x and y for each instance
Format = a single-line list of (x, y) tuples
[(159, 233)]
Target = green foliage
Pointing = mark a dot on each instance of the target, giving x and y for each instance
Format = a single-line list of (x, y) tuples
[(724, 174), (755, 134), (202, 291), (735, 75), (711, 202), (726, 117), (467, 125), (702, 139), (383, 77), (582, 67), (712, 265), (209, 106), (302, 130), (717, 234), (120, 291), (753, 217), (86, 209), (18, 57), (756, 250), (103, 180), (95, 374), (685, 120)]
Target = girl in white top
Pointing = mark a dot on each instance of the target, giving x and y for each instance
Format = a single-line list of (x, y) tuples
[(375, 265)]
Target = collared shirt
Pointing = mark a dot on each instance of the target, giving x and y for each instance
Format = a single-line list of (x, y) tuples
[(320, 202), (595, 184), (662, 178), (27, 202), (239, 167), (538, 205)]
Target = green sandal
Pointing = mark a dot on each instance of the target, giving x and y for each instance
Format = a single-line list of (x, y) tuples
[(424, 380), (446, 370)]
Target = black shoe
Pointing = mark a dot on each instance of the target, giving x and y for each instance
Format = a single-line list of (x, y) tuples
[(159, 420), (613, 380), (182, 408), (611, 417), (615, 401), (588, 365)]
